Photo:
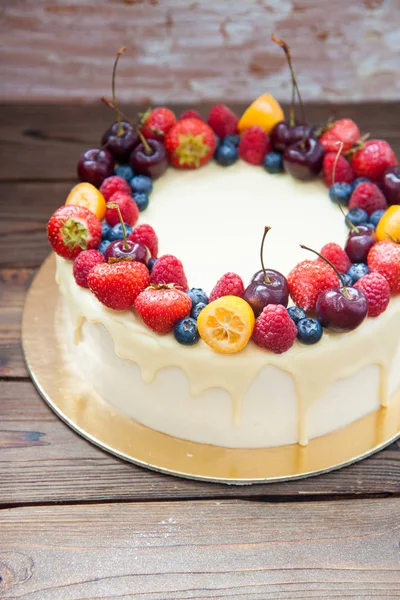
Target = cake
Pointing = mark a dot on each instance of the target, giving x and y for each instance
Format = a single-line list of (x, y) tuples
[(145, 334)]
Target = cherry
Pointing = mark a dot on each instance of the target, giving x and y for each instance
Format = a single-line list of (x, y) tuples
[(149, 158), (359, 242), (95, 165), (125, 249), (120, 144), (390, 184), (285, 134), (303, 159), (266, 287)]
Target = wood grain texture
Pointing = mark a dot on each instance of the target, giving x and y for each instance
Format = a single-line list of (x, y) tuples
[(42, 460), (186, 51), (206, 550)]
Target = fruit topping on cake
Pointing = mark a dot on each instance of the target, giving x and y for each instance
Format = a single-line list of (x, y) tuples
[(169, 269), (230, 284), (274, 330), (190, 144), (117, 285), (72, 229), (161, 306), (145, 234), (223, 121), (254, 145), (372, 159), (384, 258), (156, 123), (343, 131)]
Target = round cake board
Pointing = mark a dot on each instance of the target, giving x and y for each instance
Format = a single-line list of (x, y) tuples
[(86, 413)]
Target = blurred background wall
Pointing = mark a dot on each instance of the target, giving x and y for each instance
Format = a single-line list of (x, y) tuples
[(187, 50)]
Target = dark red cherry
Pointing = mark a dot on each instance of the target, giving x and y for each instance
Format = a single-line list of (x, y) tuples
[(284, 134), (303, 159), (127, 250), (359, 243), (390, 184), (342, 309), (260, 293), (153, 165), (120, 146), (95, 165)]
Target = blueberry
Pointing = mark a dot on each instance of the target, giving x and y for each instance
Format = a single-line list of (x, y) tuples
[(141, 184), (116, 232), (357, 216), (196, 310), (348, 280), (186, 332), (103, 246), (142, 200), (358, 270), (197, 295), (105, 230), (226, 154), (359, 180), (232, 139), (309, 331), (376, 217), (340, 192), (151, 264), (124, 171), (296, 313), (273, 162)]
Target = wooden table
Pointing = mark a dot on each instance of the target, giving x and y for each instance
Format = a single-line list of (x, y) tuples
[(76, 523)]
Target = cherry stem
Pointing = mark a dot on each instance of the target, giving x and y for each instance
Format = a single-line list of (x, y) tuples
[(117, 208), (266, 278), (340, 276), (119, 53), (295, 87), (346, 218), (147, 147)]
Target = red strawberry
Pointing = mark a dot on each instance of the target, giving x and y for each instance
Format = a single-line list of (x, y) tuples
[(377, 290), (345, 131), (190, 144), (274, 330), (83, 263), (308, 279), (337, 256), (169, 269), (190, 114), (343, 173), (157, 123), (161, 307), (254, 145), (222, 120), (230, 284), (128, 208), (72, 229), (368, 197), (117, 285), (373, 159), (384, 258), (145, 234), (114, 184)]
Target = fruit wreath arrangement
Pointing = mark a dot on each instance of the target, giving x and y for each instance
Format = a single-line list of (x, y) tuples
[(117, 260)]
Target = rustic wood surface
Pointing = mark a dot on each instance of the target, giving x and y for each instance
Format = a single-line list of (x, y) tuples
[(80, 524)]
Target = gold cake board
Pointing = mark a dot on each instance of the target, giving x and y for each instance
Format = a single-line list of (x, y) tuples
[(91, 417)]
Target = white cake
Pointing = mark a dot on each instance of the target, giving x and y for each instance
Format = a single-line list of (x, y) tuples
[(213, 220)]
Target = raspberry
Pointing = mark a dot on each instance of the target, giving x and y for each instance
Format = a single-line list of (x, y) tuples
[(377, 290), (373, 159), (345, 131), (145, 234), (254, 145), (83, 263), (169, 269), (384, 258), (337, 256), (128, 208), (114, 184), (274, 330), (222, 120), (343, 173), (308, 279), (190, 114), (157, 123), (230, 284), (368, 197)]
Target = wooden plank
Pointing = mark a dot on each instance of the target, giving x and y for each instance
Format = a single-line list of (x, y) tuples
[(206, 550), (42, 460)]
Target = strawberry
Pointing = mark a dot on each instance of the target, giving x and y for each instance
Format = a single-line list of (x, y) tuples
[(343, 130), (127, 206), (308, 279), (145, 234), (83, 264), (117, 285), (190, 144), (343, 173), (157, 123), (161, 307), (384, 258), (230, 284), (114, 184), (377, 290), (254, 145), (223, 121), (190, 113), (274, 330), (169, 269), (368, 197), (337, 256), (373, 158), (72, 229)]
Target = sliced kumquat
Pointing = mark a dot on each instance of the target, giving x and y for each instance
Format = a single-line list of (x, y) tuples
[(389, 225), (85, 194), (265, 112)]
